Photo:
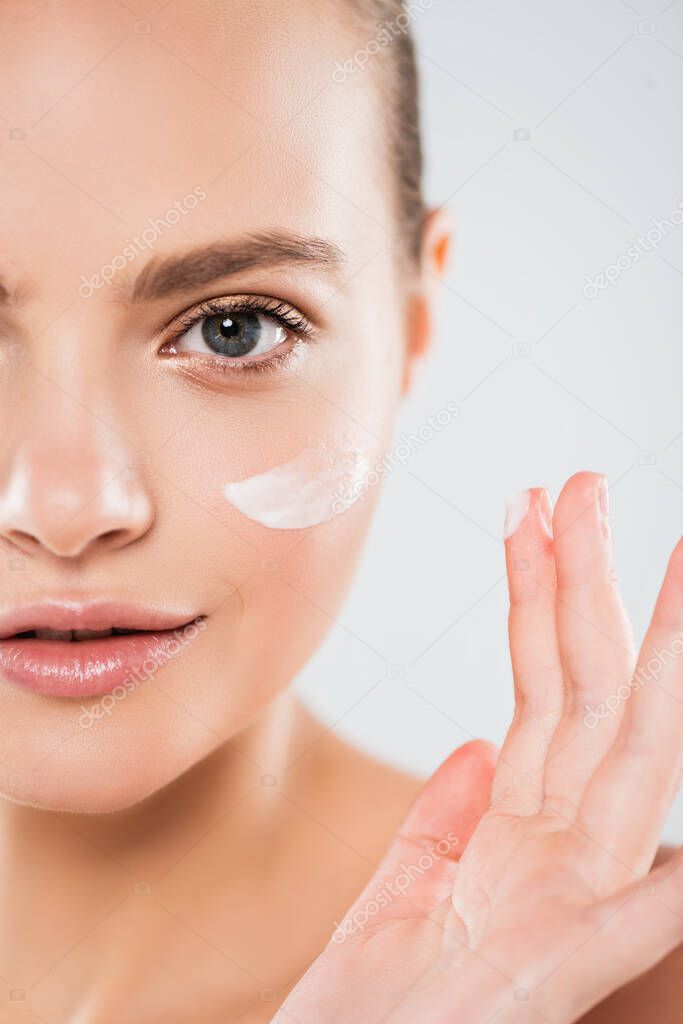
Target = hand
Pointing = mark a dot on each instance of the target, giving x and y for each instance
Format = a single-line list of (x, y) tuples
[(533, 902)]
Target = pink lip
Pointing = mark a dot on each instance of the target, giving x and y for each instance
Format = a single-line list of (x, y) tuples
[(86, 668)]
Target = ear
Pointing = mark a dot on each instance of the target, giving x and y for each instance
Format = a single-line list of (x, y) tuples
[(437, 234)]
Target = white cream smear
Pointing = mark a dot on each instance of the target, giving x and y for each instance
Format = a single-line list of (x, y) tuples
[(316, 486)]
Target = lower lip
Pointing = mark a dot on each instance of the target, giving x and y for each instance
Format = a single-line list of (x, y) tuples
[(84, 668)]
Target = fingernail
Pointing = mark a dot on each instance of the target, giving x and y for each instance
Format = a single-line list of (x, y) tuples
[(604, 497), (516, 507)]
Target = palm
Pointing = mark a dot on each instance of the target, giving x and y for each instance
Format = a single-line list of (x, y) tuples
[(517, 893)]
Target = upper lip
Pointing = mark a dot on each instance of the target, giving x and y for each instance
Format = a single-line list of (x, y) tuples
[(97, 615)]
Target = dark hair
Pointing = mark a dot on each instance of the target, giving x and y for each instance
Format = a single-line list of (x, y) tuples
[(390, 21)]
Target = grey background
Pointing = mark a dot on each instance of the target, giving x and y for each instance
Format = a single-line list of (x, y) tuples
[(547, 380)]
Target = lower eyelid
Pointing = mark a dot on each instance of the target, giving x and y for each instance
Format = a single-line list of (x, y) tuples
[(203, 374)]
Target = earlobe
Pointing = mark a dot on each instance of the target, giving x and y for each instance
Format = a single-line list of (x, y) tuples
[(434, 254)]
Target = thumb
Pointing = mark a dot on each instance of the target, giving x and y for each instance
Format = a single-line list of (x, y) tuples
[(453, 799), (417, 872)]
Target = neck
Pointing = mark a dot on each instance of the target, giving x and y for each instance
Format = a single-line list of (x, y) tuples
[(124, 899)]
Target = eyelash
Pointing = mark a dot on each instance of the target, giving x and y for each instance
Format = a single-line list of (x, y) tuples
[(278, 310)]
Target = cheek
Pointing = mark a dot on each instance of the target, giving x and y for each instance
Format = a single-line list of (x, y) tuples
[(281, 514), (313, 488), (292, 455), (282, 488)]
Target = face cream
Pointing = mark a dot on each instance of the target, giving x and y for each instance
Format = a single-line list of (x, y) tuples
[(304, 492)]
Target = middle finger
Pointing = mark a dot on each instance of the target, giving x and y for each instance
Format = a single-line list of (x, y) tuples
[(595, 640)]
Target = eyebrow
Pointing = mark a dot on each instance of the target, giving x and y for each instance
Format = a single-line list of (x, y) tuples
[(205, 264)]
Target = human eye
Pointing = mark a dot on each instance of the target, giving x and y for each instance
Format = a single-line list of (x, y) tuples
[(239, 333)]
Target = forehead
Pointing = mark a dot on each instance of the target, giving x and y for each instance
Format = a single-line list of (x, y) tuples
[(114, 113)]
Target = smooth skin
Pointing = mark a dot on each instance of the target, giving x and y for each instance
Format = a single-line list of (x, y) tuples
[(552, 906), (185, 858)]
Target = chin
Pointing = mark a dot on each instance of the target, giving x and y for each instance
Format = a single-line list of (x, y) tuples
[(110, 767)]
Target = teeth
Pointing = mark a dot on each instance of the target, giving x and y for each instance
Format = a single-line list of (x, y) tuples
[(54, 634), (91, 634)]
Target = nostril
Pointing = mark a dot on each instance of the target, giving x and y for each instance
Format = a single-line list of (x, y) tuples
[(68, 521), (113, 538), (26, 542), (66, 543)]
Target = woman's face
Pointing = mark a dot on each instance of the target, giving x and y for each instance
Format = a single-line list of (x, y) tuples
[(151, 164)]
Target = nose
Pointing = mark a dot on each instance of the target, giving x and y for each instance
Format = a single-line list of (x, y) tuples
[(67, 485), (71, 516)]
